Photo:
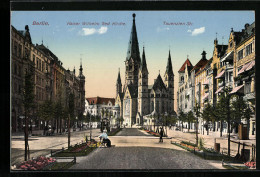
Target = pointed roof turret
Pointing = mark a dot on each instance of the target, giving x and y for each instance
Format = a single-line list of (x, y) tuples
[(143, 65), (169, 65), (81, 70), (203, 55), (118, 82), (133, 48)]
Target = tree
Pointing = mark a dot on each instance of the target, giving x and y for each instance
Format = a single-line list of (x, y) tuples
[(190, 119), (225, 98), (182, 118), (46, 111), (248, 113), (28, 97), (206, 115), (71, 108), (81, 118), (197, 113)]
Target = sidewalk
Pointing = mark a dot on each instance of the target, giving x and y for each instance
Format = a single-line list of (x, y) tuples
[(210, 140)]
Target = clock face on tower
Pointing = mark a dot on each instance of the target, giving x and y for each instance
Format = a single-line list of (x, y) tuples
[(127, 107)]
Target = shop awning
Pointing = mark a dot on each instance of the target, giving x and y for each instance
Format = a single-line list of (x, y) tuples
[(227, 56), (236, 89), (252, 64), (243, 68), (220, 74), (219, 90), (205, 96), (206, 82)]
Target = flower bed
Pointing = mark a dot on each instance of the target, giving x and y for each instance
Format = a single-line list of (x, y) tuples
[(188, 143), (79, 150), (152, 132), (36, 164)]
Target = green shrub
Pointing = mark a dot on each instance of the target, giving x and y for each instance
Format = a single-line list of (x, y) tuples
[(201, 143), (188, 143)]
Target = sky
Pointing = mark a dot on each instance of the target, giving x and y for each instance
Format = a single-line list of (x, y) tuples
[(101, 39)]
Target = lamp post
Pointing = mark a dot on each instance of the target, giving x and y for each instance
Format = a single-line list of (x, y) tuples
[(166, 117), (90, 124)]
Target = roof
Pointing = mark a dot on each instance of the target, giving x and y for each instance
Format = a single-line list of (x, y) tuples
[(245, 34), (207, 65), (184, 64), (221, 49), (158, 84), (200, 65), (100, 100), (46, 51)]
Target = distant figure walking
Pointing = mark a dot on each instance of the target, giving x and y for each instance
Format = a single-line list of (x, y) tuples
[(161, 135)]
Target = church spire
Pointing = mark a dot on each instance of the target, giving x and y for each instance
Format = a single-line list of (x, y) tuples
[(143, 65), (118, 82), (169, 65), (80, 68), (133, 48)]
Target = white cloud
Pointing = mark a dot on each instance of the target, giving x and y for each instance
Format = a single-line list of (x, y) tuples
[(162, 29), (90, 31), (102, 30), (197, 31)]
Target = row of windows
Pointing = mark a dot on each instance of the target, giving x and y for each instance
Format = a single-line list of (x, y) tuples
[(17, 69), (17, 88), (245, 52)]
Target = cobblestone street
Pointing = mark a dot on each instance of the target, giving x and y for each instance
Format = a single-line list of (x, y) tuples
[(131, 149), (141, 158)]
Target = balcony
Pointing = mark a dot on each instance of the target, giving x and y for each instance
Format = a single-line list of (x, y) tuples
[(249, 96)]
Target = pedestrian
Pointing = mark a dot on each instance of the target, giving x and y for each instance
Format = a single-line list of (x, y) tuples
[(161, 135), (105, 138), (30, 129)]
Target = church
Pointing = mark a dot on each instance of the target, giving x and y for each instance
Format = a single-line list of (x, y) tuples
[(137, 98)]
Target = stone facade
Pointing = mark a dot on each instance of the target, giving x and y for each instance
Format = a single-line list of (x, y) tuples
[(51, 80)]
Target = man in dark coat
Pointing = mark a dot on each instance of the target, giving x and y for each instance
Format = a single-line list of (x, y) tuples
[(161, 135)]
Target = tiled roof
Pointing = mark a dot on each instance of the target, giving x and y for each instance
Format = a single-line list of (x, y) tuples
[(46, 51), (205, 65), (100, 100), (245, 34), (184, 64), (199, 65)]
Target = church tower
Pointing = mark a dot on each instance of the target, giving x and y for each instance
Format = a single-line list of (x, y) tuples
[(118, 84), (133, 60), (169, 83), (82, 87), (143, 88)]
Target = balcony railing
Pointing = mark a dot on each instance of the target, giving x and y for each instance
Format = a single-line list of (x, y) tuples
[(249, 96)]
